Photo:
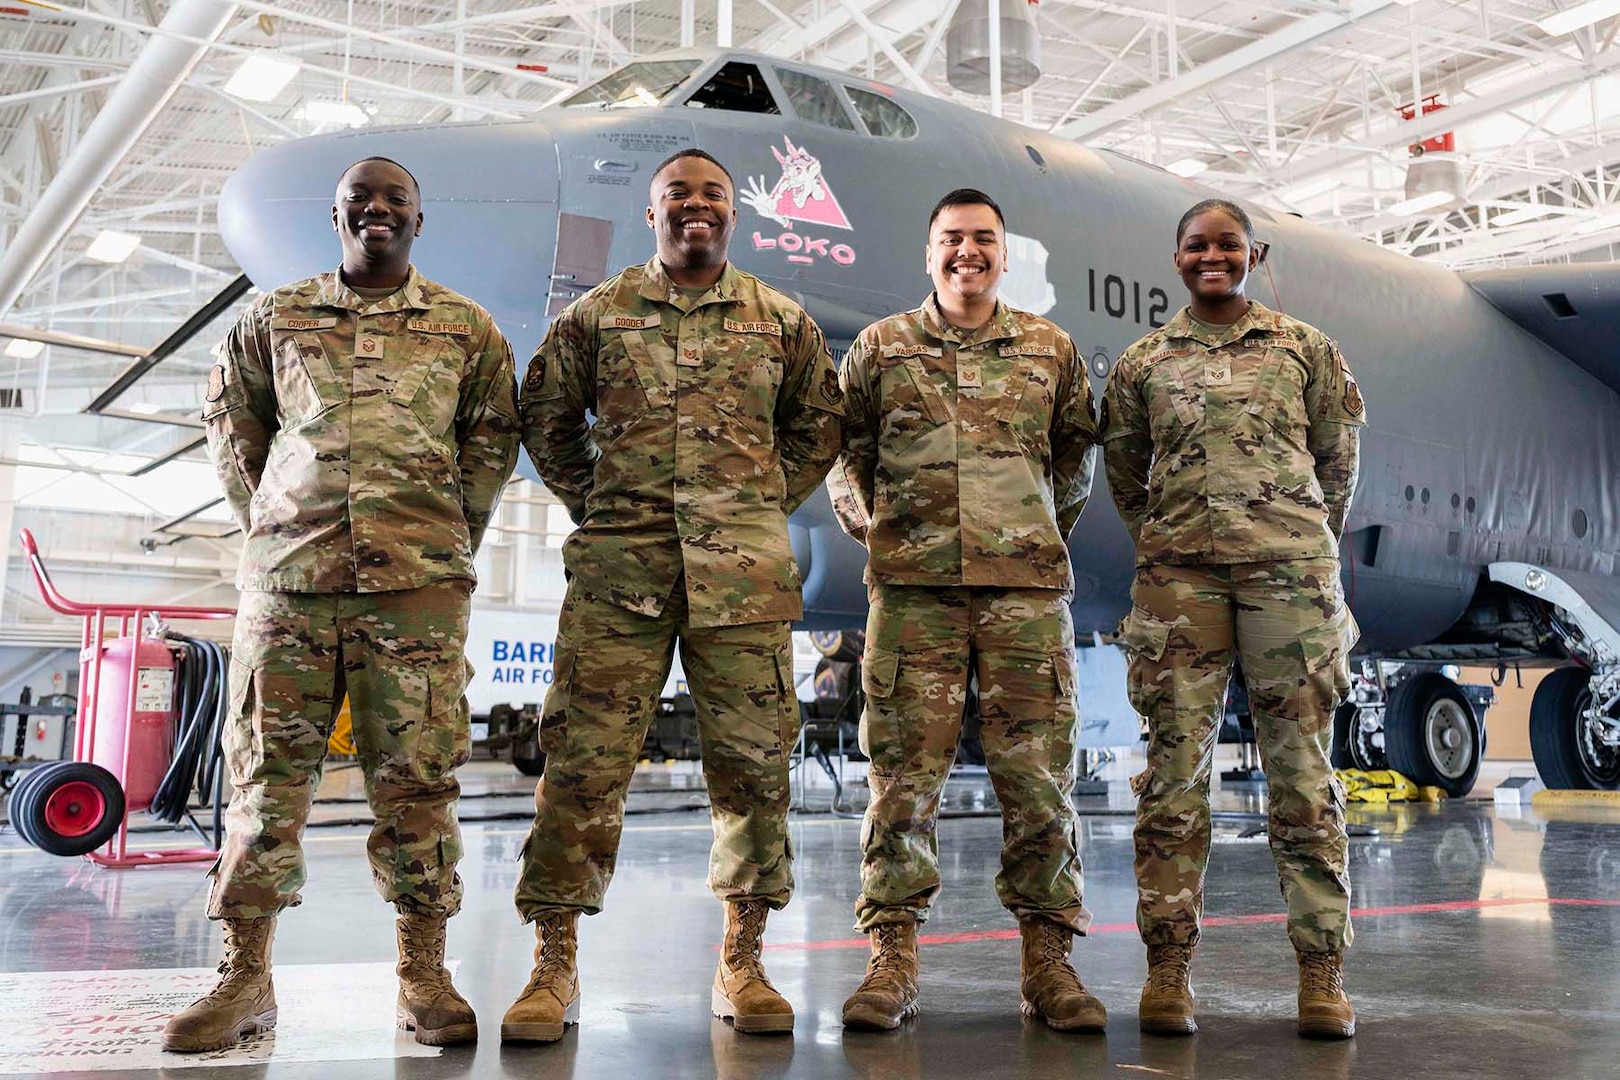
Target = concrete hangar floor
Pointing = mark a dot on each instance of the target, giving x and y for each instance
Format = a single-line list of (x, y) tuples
[(1487, 945)]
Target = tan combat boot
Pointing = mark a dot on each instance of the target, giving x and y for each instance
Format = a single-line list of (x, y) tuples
[(242, 1003), (888, 994), (1051, 988), (1324, 1007), (742, 993), (550, 1001), (428, 1004), (1167, 996)]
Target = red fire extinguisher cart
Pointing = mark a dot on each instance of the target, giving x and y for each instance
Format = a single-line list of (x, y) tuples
[(124, 735)]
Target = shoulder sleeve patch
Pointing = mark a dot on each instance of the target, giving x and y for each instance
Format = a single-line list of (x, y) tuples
[(216, 382), (1352, 397)]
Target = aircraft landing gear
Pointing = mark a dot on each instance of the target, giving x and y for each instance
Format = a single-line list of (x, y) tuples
[(1432, 735), (1358, 724), (1419, 723), (1575, 715), (1575, 728)]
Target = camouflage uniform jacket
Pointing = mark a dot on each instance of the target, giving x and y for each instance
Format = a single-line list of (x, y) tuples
[(967, 457), (715, 418), (1232, 444), (361, 444)]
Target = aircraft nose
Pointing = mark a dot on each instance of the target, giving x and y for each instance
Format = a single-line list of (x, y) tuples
[(489, 206)]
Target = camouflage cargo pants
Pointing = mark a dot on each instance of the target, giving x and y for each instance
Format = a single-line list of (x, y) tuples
[(399, 656), (922, 644), (610, 670), (1289, 625)]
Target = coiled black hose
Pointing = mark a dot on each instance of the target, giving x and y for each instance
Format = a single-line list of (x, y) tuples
[(200, 702)]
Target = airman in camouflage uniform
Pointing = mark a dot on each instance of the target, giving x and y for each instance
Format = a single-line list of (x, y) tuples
[(1231, 450), (717, 413), (362, 423), (968, 452)]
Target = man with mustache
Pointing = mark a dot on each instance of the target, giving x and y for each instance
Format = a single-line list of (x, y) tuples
[(362, 423), (969, 441), (717, 413)]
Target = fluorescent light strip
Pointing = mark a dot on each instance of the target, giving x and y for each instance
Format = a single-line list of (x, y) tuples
[(261, 77), (112, 247), (1578, 16), (1429, 200)]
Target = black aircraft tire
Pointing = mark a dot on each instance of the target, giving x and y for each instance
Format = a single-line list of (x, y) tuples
[(1422, 714), (1556, 729), (1343, 717)]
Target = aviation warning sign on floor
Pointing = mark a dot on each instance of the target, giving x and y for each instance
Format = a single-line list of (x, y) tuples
[(76, 1021)]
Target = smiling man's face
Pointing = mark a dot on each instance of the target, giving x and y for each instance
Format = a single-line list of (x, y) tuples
[(377, 215), (692, 213), (967, 252)]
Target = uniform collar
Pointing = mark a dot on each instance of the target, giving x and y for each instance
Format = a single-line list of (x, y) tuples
[(1002, 324), (656, 286), (334, 294), (1183, 325)]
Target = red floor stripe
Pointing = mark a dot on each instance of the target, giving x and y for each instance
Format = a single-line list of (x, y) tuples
[(968, 936)]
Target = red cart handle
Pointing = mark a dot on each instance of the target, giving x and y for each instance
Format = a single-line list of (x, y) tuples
[(63, 606)]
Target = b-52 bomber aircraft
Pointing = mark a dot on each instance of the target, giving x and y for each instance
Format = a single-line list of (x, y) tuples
[(1486, 527)]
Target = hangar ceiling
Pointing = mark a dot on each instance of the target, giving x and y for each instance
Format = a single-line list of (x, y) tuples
[(1294, 103)]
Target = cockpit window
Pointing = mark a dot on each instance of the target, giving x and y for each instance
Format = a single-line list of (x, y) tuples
[(635, 86), (737, 87), (882, 117), (813, 99)]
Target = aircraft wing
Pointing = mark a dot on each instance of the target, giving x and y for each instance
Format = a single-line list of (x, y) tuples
[(1573, 307)]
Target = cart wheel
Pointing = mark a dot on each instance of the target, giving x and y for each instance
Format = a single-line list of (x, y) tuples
[(19, 796), (72, 809)]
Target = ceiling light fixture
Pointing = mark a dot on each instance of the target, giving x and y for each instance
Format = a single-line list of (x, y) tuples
[(1523, 214), (23, 349), (1187, 167), (112, 247), (1429, 200), (261, 77), (1578, 16), (334, 112), (145, 408), (1309, 189)]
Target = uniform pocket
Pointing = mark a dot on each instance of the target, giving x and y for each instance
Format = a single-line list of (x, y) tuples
[(554, 717), (910, 401), (788, 720), (431, 389), (242, 743), (1278, 395), (305, 385), (444, 731), (1326, 647), (1144, 635), (879, 668)]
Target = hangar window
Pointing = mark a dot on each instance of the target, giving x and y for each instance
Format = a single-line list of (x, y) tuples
[(881, 116), (1579, 524), (737, 87), (634, 86), (813, 99)]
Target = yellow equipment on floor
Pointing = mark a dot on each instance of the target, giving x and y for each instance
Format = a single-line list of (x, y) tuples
[(341, 740), (1384, 786)]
